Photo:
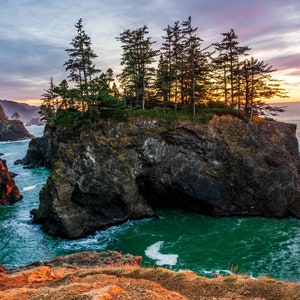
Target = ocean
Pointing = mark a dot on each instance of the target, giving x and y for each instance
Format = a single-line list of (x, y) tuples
[(176, 239)]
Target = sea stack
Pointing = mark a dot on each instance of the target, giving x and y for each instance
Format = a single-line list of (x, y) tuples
[(9, 192), (125, 170), (12, 130)]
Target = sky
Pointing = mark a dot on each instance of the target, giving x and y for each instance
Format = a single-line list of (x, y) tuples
[(35, 33)]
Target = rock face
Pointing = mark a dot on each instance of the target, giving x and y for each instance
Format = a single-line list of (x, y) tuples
[(37, 154), (88, 259), (12, 130), (111, 275), (9, 192), (121, 171)]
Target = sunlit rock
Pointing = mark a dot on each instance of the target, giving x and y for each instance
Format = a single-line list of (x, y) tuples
[(9, 192)]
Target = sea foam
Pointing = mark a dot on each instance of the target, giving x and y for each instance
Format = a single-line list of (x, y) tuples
[(161, 259), (28, 188)]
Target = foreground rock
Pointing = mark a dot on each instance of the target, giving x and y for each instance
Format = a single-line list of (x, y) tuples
[(110, 275), (9, 192), (121, 171), (12, 130)]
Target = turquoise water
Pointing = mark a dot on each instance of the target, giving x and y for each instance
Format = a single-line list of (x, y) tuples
[(176, 239)]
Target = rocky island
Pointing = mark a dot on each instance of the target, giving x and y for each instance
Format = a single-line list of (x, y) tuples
[(28, 114), (125, 170), (12, 130)]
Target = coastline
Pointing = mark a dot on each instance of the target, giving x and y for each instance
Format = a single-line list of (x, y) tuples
[(117, 276)]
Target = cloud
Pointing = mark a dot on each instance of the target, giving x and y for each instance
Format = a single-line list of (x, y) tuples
[(34, 34), (284, 62)]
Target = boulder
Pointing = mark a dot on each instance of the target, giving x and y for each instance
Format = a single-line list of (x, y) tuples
[(9, 192), (122, 171)]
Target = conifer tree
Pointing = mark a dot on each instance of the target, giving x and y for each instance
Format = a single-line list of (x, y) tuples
[(80, 64), (163, 82), (137, 61), (258, 85), (228, 61), (166, 70), (183, 64), (194, 76), (177, 51), (50, 102)]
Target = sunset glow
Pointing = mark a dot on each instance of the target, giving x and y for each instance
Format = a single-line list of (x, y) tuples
[(32, 49)]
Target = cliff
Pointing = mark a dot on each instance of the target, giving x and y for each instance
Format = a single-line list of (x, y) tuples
[(9, 192), (111, 275), (12, 130), (121, 171), (26, 112)]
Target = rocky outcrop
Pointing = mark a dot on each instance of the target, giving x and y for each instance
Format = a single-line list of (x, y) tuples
[(12, 130), (37, 154), (26, 112), (121, 171), (42, 151), (111, 275), (9, 192), (87, 259)]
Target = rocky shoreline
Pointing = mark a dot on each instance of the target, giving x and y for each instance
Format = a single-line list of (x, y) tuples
[(121, 171), (112, 275)]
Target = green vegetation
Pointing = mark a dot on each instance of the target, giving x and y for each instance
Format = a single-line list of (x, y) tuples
[(189, 82)]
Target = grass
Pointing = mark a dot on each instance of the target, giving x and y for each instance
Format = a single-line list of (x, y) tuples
[(202, 117), (230, 278), (81, 121), (267, 279)]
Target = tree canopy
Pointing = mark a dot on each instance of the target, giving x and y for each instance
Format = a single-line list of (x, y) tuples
[(181, 75)]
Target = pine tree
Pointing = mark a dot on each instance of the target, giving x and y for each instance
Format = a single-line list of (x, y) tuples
[(163, 82), (80, 64), (50, 103), (177, 51), (66, 100), (194, 65), (258, 85), (137, 61), (166, 71), (228, 61), (183, 66)]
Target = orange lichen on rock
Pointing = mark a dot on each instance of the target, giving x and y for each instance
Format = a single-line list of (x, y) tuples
[(2, 269), (89, 276), (9, 192), (60, 283)]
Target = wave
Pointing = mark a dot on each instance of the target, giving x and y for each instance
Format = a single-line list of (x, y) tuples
[(161, 259), (15, 142), (28, 188)]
